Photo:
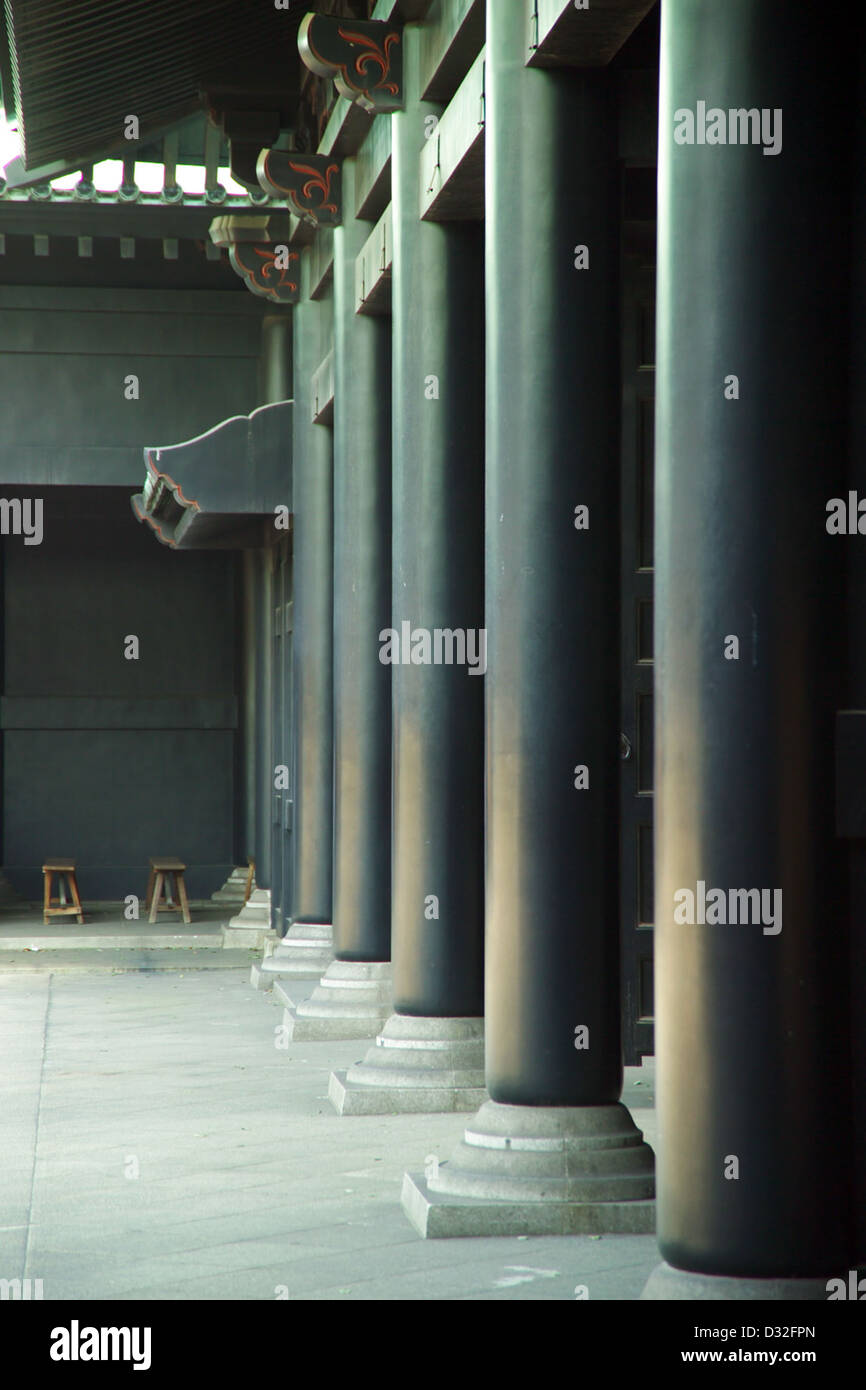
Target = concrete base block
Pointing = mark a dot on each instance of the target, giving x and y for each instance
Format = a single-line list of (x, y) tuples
[(251, 927), (436, 1216), (244, 938), (400, 1100), (352, 1000), (255, 913), (304, 953), (258, 978), (417, 1066), (539, 1170), (667, 1283)]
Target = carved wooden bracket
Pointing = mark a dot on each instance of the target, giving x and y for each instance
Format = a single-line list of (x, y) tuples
[(247, 132), (270, 271), (365, 58), (260, 254), (311, 183)]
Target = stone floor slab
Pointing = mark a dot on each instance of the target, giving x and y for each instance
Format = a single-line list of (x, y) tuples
[(249, 1185)]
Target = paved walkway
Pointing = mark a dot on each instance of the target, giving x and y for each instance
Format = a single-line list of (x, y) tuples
[(157, 1144)]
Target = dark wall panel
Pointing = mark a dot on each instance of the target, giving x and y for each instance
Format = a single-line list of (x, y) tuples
[(111, 798), (106, 759), (65, 355), (71, 601)]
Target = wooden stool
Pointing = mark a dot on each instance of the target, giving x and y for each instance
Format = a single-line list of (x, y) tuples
[(66, 880), (160, 871)]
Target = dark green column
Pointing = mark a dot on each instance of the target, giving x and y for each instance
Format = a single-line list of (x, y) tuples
[(753, 1039), (275, 365), (438, 463), (275, 384), (430, 1053), (552, 595), (249, 704), (264, 728), (312, 668), (362, 608), (551, 1151)]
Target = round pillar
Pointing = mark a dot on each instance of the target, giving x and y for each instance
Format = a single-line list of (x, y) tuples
[(353, 998), (264, 731), (275, 374), (438, 472), (430, 1054), (249, 703), (362, 608), (552, 1151), (552, 589), (753, 1042), (312, 656)]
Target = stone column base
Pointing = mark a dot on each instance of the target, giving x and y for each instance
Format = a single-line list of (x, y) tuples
[(417, 1066), (304, 953), (251, 927), (352, 1000), (234, 889), (539, 1170), (665, 1282)]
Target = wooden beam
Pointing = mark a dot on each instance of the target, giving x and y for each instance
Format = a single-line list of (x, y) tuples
[(346, 130), (406, 10), (267, 225), (373, 270), (451, 40), (322, 393), (452, 160), (83, 218), (560, 35)]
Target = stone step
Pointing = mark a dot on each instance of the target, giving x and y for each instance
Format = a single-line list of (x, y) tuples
[(105, 959), (78, 938)]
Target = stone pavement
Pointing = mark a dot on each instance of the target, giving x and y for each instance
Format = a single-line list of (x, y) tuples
[(158, 1143)]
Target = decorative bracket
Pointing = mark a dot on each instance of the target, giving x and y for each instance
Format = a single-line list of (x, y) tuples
[(247, 132), (312, 183), (365, 58), (260, 254)]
